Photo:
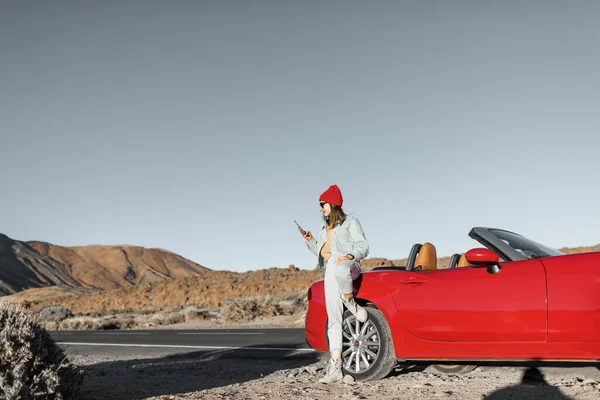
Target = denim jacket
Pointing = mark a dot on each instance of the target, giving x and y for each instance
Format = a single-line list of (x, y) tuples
[(348, 238)]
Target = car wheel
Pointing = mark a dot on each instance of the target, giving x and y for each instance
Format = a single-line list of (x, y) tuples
[(453, 368), (367, 348)]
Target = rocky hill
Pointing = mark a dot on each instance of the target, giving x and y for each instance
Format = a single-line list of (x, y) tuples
[(212, 290), (26, 265)]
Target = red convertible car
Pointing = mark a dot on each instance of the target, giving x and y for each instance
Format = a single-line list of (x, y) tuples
[(514, 299)]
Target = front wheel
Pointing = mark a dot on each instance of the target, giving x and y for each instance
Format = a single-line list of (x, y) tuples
[(367, 348)]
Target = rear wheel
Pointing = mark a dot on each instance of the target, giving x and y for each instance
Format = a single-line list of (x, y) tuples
[(367, 348), (453, 368)]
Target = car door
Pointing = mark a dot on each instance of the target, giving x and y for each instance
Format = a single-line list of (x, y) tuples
[(573, 297), (470, 304)]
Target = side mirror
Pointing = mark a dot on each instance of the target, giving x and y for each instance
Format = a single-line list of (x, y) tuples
[(485, 258)]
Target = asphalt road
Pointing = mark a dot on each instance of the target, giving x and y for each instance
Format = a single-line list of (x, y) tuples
[(259, 343), (137, 364)]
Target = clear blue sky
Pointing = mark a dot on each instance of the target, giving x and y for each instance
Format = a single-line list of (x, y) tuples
[(206, 127)]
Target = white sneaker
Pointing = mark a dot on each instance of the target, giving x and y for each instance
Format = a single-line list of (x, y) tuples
[(334, 371), (360, 313)]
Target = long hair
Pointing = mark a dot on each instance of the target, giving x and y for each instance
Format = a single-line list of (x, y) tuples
[(336, 216)]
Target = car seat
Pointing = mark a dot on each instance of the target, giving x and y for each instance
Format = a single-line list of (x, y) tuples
[(427, 258), (463, 262)]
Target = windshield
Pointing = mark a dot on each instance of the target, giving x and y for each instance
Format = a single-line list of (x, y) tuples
[(524, 246)]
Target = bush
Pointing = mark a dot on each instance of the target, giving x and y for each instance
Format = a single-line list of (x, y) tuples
[(248, 309), (166, 318), (193, 313), (79, 323), (32, 365), (54, 314)]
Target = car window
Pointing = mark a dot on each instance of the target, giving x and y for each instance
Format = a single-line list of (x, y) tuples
[(524, 246)]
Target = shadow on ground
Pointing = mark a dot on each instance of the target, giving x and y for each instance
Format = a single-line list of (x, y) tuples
[(403, 368), (187, 372), (533, 386)]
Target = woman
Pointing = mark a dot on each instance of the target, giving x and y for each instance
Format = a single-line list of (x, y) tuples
[(340, 246)]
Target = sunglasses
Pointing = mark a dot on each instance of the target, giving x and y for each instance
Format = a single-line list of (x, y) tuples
[(322, 204)]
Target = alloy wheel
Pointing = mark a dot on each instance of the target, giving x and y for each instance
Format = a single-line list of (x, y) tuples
[(361, 344)]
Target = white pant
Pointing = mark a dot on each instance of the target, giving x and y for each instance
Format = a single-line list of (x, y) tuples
[(338, 281)]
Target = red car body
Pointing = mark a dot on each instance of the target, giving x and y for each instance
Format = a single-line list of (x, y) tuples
[(534, 308)]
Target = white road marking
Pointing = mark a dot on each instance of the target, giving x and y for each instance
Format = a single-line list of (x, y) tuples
[(223, 333), (120, 333), (173, 346)]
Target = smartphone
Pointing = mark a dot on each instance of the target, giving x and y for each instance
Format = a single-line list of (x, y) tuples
[(303, 231)]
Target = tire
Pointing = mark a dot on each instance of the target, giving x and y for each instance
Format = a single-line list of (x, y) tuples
[(375, 360), (453, 368)]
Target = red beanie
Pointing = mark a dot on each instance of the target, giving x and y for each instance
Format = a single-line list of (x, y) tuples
[(332, 195)]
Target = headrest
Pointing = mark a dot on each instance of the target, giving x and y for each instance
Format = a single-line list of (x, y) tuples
[(463, 262), (427, 257)]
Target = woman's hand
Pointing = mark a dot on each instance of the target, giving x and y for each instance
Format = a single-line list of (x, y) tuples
[(342, 259), (306, 235)]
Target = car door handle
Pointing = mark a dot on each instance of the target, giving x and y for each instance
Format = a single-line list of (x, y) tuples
[(414, 281)]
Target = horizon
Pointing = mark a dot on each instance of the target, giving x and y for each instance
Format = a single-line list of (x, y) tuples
[(205, 129)]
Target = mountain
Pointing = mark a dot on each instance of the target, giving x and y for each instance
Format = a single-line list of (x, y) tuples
[(26, 265)]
